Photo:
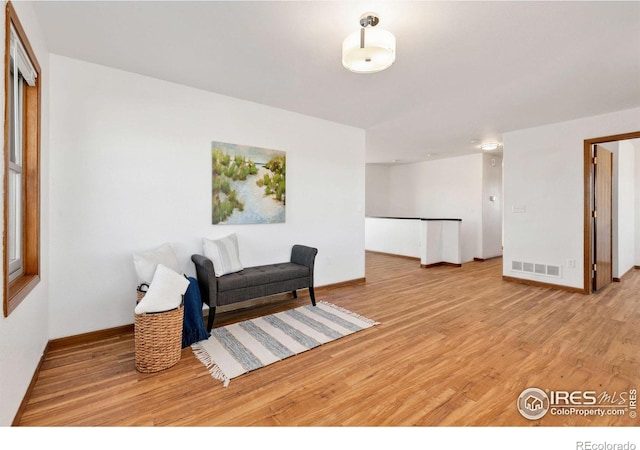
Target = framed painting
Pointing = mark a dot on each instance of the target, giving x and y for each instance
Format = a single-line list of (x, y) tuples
[(248, 184)]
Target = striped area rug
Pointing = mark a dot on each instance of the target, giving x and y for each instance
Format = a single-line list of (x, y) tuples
[(242, 347)]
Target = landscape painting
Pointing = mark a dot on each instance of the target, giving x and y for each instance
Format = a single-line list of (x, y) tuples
[(248, 184)]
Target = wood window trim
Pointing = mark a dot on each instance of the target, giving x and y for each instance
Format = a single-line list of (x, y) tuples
[(17, 290)]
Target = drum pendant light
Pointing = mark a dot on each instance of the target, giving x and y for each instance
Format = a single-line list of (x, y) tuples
[(370, 49)]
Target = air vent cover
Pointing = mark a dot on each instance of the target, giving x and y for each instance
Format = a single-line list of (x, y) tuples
[(536, 268), (553, 271)]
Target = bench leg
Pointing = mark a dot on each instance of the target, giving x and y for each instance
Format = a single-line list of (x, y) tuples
[(295, 294), (312, 294), (212, 316)]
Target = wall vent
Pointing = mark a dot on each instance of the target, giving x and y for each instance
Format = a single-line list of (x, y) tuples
[(553, 271), (536, 268)]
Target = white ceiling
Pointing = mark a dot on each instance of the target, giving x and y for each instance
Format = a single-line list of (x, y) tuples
[(464, 70)]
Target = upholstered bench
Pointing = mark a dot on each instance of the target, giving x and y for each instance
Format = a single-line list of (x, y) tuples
[(255, 282)]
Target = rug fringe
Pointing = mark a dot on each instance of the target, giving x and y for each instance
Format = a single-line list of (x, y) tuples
[(210, 364), (351, 313)]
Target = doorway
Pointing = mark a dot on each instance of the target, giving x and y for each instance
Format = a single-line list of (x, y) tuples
[(598, 217)]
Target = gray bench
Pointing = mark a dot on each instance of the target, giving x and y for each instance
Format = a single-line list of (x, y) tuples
[(255, 282)]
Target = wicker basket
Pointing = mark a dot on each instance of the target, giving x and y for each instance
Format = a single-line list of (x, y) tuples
[(158, 339)]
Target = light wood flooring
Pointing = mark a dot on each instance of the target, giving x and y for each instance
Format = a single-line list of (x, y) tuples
[(455, 347)]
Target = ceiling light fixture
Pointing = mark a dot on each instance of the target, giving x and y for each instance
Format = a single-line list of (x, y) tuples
[(370, 52), (489, 146)]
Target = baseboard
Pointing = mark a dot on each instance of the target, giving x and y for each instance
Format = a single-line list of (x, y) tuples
[(626, 274), (328, 287), (487, 259), (64, 342), (413, 258), (91, 336), (441, 263), (261, 301), (544, 285), (252, 303), (27, 395)]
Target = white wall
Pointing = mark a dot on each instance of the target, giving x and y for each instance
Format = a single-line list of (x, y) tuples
[(444, 188), (377, 189), (457, 187), (131, 169), (394, 236), (624, 214), (24, 334), (637, 202), (543, 172), (491, 244)]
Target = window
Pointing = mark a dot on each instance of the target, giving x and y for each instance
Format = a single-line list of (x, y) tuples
[(21, 165)]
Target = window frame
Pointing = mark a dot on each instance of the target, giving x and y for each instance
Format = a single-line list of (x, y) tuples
[(17, 289), (15, 189)]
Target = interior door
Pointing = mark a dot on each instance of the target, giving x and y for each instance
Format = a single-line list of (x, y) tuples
[(602, 218)]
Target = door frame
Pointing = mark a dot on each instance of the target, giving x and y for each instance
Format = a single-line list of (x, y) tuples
[(588, 194)]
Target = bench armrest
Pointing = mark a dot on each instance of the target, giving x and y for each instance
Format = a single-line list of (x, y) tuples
[(305, 256), (207, 281)]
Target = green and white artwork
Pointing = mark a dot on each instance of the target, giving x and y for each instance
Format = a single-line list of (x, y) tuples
[(248, 184)]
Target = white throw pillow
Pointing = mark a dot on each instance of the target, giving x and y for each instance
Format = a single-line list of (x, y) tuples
[(147, 262), (224, 254), (165, 291)]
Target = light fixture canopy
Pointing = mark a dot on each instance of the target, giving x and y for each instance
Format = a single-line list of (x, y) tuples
[(368, 51), (488, 146)]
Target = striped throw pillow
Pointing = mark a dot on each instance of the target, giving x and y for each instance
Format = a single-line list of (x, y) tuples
[(224, 254)]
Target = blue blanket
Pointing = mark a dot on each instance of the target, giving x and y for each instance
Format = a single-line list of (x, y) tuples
[(193, 329)]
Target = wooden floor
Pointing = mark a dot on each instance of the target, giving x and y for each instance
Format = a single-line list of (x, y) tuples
[(455, 346)]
